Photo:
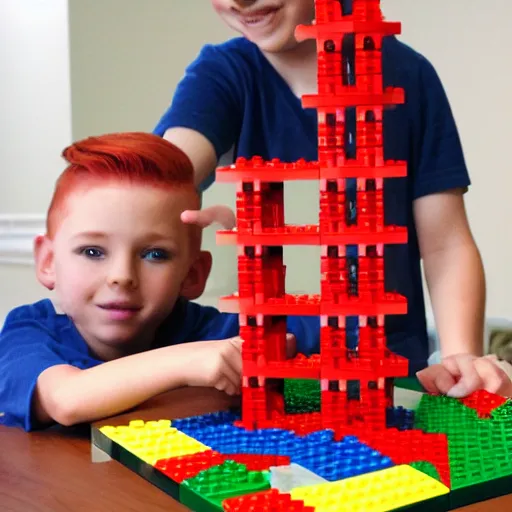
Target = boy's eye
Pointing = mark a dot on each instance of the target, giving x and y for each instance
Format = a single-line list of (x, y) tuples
[(156, 254), (91, 252)]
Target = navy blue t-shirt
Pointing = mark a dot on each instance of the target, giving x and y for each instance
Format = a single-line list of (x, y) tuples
[(235, 98), (35, 337)]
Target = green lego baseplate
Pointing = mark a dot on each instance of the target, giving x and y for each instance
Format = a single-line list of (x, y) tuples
[(209, 464)]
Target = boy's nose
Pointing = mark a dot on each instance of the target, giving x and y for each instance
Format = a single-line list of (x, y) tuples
[(123, 275)]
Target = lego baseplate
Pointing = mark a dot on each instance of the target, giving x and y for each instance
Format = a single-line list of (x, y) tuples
[(446, 454)]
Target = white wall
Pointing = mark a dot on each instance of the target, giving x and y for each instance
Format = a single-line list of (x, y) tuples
[(35, 113), (128, 55), (469, 44)]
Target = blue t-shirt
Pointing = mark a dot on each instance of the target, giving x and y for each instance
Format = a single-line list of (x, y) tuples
[(35, 337), (235, 98)]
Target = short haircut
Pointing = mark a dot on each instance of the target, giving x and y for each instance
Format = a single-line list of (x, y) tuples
[(133, 158)]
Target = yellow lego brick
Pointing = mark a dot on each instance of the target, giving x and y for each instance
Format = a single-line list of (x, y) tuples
[(380, 491), (153, 440)]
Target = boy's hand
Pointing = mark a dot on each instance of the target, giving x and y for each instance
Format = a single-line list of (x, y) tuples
[(221, 214), (462, 374), (218, 364)]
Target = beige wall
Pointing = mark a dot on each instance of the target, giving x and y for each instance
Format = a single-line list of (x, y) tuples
[(128, 55)]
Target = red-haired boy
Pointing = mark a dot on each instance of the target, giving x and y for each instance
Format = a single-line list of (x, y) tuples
[(124, 269)]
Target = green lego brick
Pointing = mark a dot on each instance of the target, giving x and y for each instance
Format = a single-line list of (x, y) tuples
[(197, 502), (132, 462), (426, 467), (301, 396), (480, 449), (209, 488), (480, 492)]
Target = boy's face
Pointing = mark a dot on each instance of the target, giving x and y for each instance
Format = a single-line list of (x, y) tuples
[(118, 262), (270, 24)]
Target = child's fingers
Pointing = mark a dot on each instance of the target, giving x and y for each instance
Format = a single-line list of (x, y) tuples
[(232, 361), (224, 384), (469, 380), (220, 214), (494, 379), (232, 369), (436, 379)]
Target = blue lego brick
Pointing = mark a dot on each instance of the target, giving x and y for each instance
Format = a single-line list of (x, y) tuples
[(230, 439), (318, 451), (336, 460), (194, 423)]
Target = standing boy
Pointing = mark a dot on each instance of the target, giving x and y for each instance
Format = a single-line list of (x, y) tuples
[(245, 94)]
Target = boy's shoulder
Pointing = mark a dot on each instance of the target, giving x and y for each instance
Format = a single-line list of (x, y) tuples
[(237, 55), (402, 61), (42, 311), (41, 325)]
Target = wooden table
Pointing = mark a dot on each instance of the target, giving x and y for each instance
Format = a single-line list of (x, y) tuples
[(52, 471)]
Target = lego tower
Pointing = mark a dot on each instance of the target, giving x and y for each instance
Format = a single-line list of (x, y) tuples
[(349, 77)]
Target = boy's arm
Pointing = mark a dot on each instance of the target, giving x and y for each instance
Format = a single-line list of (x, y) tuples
[(197, 147), (453, 271), (202, 155), (205, 115), (69, 395)]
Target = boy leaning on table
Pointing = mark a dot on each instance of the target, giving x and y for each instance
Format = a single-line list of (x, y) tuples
[(124, 268)]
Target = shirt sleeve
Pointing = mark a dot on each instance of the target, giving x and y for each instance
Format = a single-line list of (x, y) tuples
[(207, 100), (440, 163), (25, 352)]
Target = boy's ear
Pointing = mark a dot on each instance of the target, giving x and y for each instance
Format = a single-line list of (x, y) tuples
[(195, 282), (43, 255)]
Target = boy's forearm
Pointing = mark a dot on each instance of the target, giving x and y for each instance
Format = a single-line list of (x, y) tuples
[(69, 395), (456, 283)]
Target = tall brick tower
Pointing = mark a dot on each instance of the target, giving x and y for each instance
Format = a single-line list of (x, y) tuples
[(349, 77)]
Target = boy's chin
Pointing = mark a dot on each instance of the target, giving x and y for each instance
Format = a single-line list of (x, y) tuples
[(276, 43)]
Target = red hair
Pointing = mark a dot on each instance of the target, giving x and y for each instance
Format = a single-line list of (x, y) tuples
[(139, 158)]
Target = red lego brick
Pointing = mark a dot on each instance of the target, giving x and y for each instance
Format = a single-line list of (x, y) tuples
[(264, 338), (348, 287), (301, 424), (267, 501), (360, 169), (385, 304), (370, 369), (188, 466), (310, 235), (259, 462), (335, 29), (405, 447), (311, 305), (256, 169), (390, 96), (483, 402), (300, 367)]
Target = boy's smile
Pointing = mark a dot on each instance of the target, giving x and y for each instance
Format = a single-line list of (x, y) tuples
[(270, 24), (119, 260)]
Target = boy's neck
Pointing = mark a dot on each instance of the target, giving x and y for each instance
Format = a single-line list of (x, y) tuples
[(297, 67)]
